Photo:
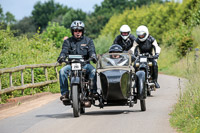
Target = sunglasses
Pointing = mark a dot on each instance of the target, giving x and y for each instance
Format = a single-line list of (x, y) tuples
[(77, 30)]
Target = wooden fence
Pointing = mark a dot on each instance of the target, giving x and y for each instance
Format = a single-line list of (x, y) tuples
[(30, 85)]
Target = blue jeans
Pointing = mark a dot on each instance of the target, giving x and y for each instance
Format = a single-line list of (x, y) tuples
[(64, 72)]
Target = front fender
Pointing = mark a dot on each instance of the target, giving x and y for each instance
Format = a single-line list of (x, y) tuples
[(75, 80), (140, 85)]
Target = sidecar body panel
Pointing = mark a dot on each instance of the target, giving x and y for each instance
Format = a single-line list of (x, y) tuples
[(115, 84)]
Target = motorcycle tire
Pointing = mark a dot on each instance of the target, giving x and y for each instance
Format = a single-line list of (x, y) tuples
[(76, 101), (143, 105)]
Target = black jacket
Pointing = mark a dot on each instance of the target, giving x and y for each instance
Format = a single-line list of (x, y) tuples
[(83, 46), (125, 44)]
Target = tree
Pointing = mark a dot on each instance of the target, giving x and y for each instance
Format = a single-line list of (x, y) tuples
[(73, 15), (101, 15), (9, 18), (26, 25), (146, 2), (43, 13), (1, 15)]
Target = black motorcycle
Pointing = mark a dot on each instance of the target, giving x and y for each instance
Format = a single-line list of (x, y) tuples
[(145, 71), (80, 86)]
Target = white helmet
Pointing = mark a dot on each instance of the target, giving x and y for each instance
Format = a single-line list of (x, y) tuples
[(125, 31), (142, 33)]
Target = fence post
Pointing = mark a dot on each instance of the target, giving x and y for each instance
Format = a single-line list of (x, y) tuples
[(57, 74), (46, 73), (32, 75), (46, 76), (22, 81), (10, 77), (32, 79)]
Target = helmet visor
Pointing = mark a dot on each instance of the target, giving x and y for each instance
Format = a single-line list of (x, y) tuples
[(142, 36), (77, 27), (124, 33)]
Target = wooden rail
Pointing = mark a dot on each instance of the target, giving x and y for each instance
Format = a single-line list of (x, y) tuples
[(32, 84)]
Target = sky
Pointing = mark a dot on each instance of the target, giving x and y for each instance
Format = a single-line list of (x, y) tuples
[(22, 8)]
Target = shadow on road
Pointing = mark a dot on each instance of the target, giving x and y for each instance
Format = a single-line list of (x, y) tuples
[(58, 116), (94, 113), (110, 112)]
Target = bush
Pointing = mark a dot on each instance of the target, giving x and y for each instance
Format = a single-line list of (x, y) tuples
[(55, 33), (181, 39)]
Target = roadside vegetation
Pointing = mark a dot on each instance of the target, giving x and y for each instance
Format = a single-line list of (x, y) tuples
[(176, 27)]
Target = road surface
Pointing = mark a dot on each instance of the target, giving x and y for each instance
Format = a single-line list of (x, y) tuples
[(49, 115)]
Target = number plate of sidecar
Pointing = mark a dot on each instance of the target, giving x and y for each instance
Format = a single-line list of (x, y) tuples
[(143, 59), (76, 66)]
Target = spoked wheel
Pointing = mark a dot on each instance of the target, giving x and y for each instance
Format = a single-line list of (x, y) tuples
[(143, 105), (76, 101)]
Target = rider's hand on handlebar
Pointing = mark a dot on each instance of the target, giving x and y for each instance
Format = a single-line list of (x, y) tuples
[(156, 56), (133, 57), (93, 58), (61, 59)]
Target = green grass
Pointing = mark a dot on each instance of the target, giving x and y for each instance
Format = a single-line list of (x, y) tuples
[(185, 116)]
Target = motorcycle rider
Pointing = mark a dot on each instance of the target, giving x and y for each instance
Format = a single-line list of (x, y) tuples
[(125, 39), (145, 43), (78, 44)]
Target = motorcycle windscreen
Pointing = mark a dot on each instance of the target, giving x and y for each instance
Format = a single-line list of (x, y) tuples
[(115, 84)]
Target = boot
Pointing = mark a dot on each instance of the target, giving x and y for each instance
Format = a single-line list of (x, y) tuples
[(65, 97), (93, 92), (155, 76), (156, 84)]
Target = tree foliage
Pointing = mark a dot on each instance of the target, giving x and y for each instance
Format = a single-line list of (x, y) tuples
[(55, 33), (73, 15), (7, 18), (45, 12), (97, 20), (24, 26)]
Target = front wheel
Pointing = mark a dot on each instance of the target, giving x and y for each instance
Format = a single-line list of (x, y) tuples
[(143, 105), (76, 101)]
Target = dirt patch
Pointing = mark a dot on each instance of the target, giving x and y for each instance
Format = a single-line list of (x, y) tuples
[(26, 103)]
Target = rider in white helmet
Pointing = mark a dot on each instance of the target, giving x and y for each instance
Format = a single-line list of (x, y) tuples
[(125, 39), (145, 43)]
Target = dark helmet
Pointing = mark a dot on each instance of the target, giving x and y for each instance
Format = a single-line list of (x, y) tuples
[(115, 48), (77, 25)]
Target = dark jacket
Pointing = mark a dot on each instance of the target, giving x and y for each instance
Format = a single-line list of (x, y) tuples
[(83, 46), (125, 44)]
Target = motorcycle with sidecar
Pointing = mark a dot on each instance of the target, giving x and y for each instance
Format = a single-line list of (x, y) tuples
[(116, 76)]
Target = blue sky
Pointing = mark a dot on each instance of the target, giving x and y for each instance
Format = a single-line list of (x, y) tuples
[(22, 8)]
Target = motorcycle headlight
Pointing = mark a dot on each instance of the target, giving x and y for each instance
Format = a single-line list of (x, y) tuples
[(150, 63), (137, 64)]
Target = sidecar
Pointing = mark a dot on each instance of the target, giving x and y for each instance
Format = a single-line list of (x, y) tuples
[(116, 75)]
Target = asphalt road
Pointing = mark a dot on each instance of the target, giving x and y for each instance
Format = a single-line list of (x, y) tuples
[(54, 117)]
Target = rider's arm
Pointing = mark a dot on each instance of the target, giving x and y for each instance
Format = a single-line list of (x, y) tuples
[(157, 48), (133, 49), (65, 48), (92, 52)]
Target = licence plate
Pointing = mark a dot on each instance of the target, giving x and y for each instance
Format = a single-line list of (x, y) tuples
[(143, 59), (76, 66)]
